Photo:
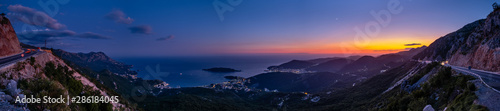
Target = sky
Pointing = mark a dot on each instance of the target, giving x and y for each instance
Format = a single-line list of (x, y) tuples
[(123, 28)]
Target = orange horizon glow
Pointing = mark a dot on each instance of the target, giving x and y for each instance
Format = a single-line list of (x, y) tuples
[(375, 46)]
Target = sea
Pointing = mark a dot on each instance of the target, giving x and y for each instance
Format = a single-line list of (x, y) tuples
[(186, 71)]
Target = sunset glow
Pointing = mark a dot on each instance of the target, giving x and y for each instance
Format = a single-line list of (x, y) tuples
[(373, 47)]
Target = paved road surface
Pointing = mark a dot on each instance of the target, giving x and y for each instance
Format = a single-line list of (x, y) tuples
[(15, 58), (490, 78)]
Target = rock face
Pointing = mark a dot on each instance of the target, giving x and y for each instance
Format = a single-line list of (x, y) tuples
[(476, 44), (428, 108), (444, 47), (9, 44), (482, 48)]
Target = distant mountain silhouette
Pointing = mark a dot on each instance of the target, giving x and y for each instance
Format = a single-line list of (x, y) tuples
[(368, 65), (360, 64), (294, 64), (322, 60), (221, 69), (412, 52), (96, 61), (331, 65)]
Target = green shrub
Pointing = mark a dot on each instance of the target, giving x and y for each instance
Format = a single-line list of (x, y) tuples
[(40, 88), (465, 101), (64, 76), (32, 61), (19, 66), (75, 87), (417, 104)]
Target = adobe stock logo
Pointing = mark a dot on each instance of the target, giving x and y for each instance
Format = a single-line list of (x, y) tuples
[(221, 7), (372, 28)]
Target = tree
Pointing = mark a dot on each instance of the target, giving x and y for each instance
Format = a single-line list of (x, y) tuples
[(495, 6)]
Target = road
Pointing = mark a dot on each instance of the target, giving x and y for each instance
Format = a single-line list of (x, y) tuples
[(15, 58), (491, 79)]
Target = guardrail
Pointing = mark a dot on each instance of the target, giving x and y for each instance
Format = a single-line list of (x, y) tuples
[(480, 78)]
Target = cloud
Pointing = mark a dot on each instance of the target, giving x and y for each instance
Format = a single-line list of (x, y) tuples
[(413, 44), (47, 33), (119, 17), (92, 35), (141, 29), (39, 37), (33, 17), (166, 38)]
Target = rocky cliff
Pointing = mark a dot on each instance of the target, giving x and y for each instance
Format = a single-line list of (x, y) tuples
[(9, 44), (481, 49), (444, 47), (476, 44)]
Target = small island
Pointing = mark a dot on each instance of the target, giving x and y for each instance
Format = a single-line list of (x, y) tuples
[(221, 70)]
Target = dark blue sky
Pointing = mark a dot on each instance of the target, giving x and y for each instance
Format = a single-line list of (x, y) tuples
[(193, 27)]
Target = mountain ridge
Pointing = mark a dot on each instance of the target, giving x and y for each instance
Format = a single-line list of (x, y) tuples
[(97, 61), (477, 44)]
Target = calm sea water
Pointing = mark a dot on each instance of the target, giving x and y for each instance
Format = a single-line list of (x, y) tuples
[(187, 71)]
